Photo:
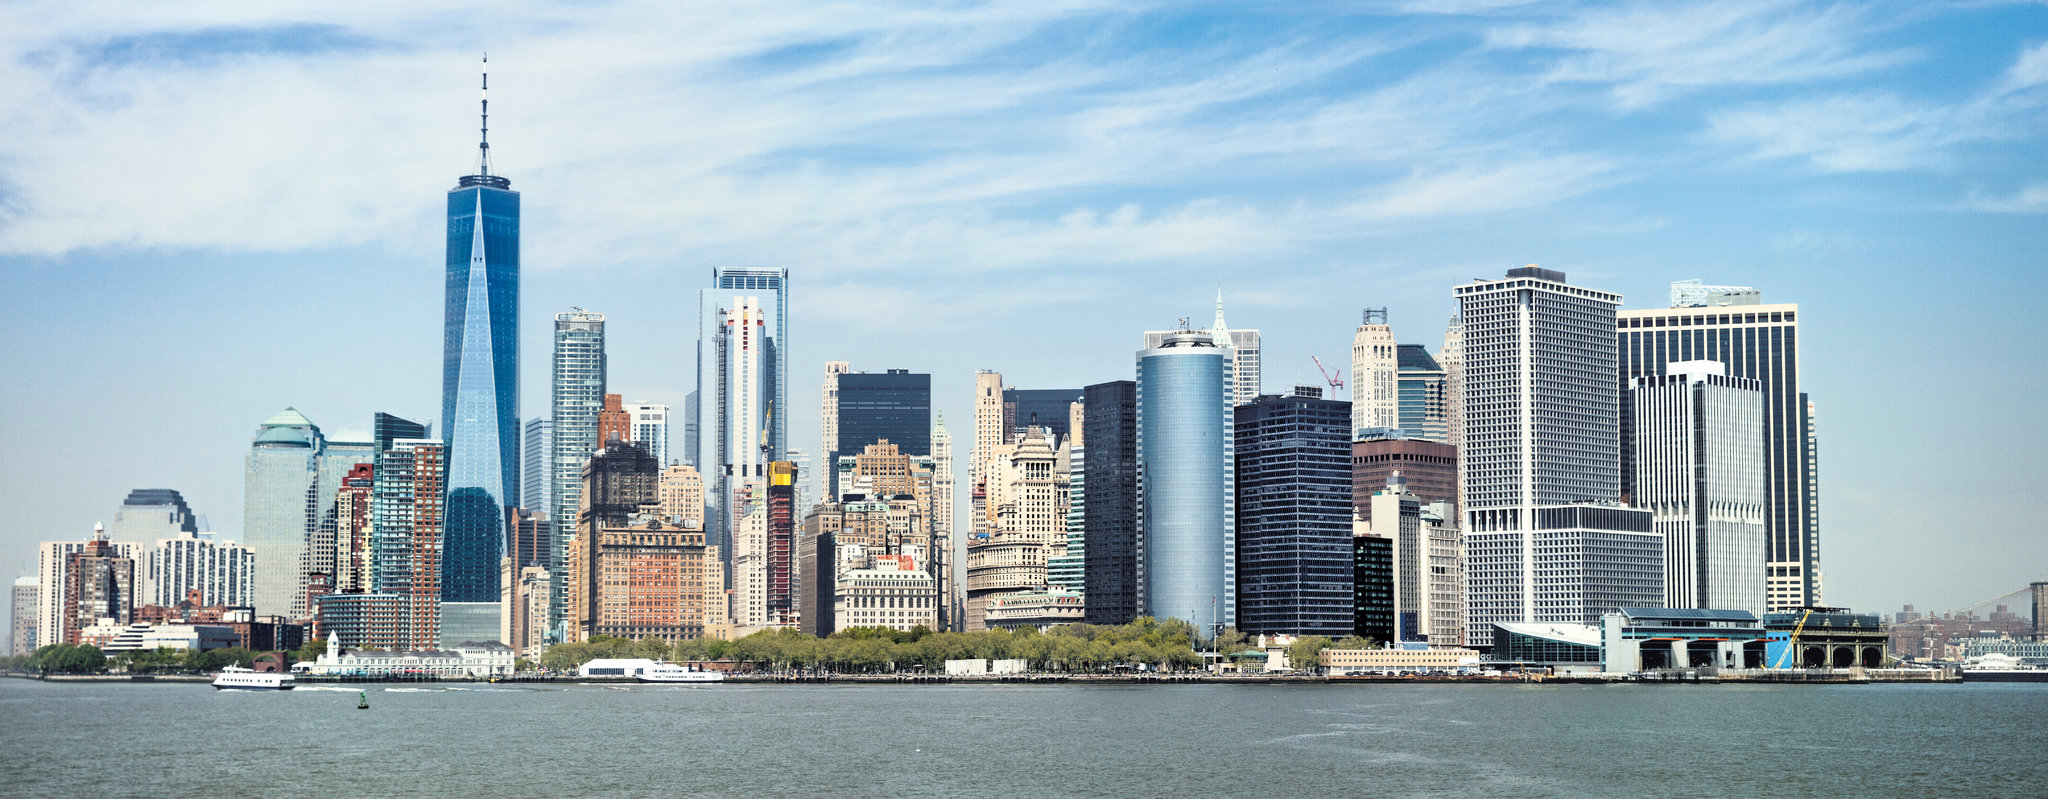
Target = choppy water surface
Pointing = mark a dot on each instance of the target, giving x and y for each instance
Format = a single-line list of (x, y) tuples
[(1026, 741)]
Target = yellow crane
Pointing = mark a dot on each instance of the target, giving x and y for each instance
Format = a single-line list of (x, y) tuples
[(1792, 642)]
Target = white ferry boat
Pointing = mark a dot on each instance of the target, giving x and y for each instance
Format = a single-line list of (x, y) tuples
[(250, 680), (663, 671)]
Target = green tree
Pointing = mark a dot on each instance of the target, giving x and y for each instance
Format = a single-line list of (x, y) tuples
[(1355, 642), (312, 650), (1305, 653)]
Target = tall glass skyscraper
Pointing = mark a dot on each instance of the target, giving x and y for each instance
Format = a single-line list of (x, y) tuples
[(579, 379), (289, 485), (1294, 570), (480, 379), (742, 386), (1187, 494), (1109, 422), (1699, 470)]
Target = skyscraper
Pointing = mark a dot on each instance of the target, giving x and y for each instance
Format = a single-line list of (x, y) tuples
[(53, 563), (480, 377), (99, 583), (1110, 472), (1049, 408), (1423, 403), (1187, 532), (1546, 538), (407, 535), (942, 521), (148, 515), (580, 371), (1760, 342), (742, 387), (648, 424), (1699, 465), (1293, 468), (828, 427), (1452, 358), (288, 520), (21, 615), (895, 406), (1375, 400), (1246, 356), (537, 489)]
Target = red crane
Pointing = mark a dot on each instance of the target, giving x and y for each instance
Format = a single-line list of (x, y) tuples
[(1336, 378)]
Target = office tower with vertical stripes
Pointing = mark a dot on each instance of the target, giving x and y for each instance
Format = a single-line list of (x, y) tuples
[(578, 379), (1547, 538), (1760, 342), (1699, 470)]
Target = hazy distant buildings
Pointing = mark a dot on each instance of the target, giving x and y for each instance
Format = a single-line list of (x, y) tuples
[(536, 471), (648, 424), (292, 477), (1186, 482), (1452, 359), (1374, 392), (480, 382), (1699, 464), (1294, 515), (148, 515), (1546, 539), (23, 603), (1759, 342)]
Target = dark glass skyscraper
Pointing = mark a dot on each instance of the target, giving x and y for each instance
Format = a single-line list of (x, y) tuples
[(1109, 424), (1041, 407), (479, 379), (1294, 570), (896, 406)]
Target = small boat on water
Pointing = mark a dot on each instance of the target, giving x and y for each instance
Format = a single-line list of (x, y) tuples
[(665, 672), (236, 677)]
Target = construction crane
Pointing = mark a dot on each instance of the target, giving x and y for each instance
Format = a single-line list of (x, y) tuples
[(1336, 378), (1792, 641)]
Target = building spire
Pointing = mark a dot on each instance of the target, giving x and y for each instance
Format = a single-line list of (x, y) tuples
[(1219, 331), (483, 143)]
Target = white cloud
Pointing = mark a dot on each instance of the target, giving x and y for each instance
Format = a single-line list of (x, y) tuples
[(2031, 199), (1462, 192), (1650, 52)]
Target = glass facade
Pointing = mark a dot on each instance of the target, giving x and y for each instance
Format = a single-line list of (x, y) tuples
[(895, 405), (579, 375), (1372, 581), (1044, 407), (742, 386), (1759, 342), (1423, 404), (1186, 478), (1294, 572), (1109, 422), (480, 384)]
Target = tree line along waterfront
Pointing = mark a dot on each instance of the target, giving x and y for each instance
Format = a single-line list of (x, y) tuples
[(1169, 645)]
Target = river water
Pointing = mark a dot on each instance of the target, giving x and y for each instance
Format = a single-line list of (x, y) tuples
[(1295, 742)]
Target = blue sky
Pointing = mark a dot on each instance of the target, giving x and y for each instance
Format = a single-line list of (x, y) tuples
[(209, 213)]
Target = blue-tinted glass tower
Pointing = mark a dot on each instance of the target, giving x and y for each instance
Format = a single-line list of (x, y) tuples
[(479, 379), (1187, 493)]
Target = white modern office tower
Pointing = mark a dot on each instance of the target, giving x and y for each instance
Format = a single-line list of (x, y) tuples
[(828, 425), (219, 570), (742, 389), (1546, 537), (1699, 471), (1731, 325), (1187, 481), (580, 372), (289, 484), (1246, 370), (1452, 359), (649, 424), (536, 467), (1375, 399)]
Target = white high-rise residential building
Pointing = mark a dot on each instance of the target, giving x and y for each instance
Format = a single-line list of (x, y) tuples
[(22, 615), (579, 373), (1729, 324), (649, 424), (1375, 396), (743, 439), (219, 571), (1546, 537), (1699, 471)]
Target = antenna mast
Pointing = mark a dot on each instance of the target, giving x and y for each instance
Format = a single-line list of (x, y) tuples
[(484, 141)]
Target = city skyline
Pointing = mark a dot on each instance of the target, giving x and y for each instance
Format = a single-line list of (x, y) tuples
[(361, 319)]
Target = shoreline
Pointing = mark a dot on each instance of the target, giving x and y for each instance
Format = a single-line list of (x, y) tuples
[(1831, 677)]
